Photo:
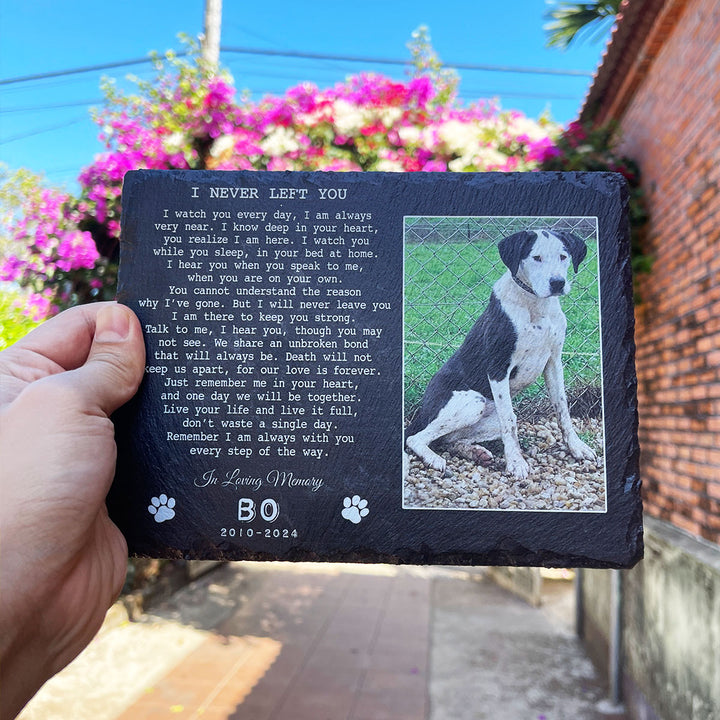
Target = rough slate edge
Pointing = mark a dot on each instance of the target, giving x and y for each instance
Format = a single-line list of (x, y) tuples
[(502, 547), (624, 402), (551, 194), (620, 401)]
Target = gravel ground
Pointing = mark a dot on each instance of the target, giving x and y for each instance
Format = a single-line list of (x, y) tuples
[(557, 481)]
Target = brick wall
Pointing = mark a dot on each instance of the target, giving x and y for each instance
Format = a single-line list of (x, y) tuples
[(672, 128)]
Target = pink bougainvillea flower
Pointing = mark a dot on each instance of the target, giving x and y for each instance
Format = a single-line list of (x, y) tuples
[(189, 119)]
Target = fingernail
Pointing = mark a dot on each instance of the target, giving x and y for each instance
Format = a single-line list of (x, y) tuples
[(112, 325)]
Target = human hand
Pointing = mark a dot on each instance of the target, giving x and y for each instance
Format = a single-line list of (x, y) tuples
[(62, 560)]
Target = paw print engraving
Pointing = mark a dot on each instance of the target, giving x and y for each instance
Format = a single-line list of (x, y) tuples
[(162, 508), (355, 509)]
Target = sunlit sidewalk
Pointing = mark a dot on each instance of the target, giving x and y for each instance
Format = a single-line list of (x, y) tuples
[(278, 641)]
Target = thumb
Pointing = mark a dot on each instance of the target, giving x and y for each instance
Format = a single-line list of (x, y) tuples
[(114, 368)]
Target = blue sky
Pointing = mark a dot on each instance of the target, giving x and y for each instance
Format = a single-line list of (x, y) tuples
[(45, 124)]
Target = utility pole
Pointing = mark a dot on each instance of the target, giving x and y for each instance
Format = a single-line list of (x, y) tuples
[(211, 34)]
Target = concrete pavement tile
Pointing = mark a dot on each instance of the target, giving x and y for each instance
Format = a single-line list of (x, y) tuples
[(216, 714), (219, 674), (319, 675), (349, 643), (285, 605), (380, 714), (493, 656), (410, 659), (337, 660), (315, 706), (412, 626), (246, 673), (161, 712), (387, 695), (317, 691), (340, 658)]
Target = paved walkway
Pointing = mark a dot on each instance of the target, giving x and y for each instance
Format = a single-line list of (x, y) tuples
[(280, 641)]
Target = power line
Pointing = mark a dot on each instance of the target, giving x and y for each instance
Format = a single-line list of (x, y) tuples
[(298, 55), (54, 106), (485, 94), (40, 131), (79, 70), (391, 61)]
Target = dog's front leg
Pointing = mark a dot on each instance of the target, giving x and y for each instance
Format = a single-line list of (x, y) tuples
[(515, 463), (555, 383)]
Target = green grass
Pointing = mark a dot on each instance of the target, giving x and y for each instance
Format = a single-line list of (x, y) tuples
[(447, 286)]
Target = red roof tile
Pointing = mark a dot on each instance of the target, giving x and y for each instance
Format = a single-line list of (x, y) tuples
[(641, 29)]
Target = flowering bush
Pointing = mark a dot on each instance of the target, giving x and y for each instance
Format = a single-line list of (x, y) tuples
[(581, 147), (190, 117), (57, 262)]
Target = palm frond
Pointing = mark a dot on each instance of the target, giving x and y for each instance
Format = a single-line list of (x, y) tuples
[(567, 21)]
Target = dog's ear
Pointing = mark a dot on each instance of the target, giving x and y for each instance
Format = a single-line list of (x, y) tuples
[(515, 248), (575, 246)]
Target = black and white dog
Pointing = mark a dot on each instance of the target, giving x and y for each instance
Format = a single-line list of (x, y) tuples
[(519, 336)]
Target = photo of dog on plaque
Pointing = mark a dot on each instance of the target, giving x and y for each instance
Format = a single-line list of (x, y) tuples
[(503, 387)]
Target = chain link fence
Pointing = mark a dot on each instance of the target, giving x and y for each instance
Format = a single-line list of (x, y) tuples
[(451, 264)]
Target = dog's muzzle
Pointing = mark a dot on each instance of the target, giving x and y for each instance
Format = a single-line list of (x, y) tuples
[(557, 286)]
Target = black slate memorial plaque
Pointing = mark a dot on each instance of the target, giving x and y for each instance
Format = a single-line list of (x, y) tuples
[(425, 368)]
